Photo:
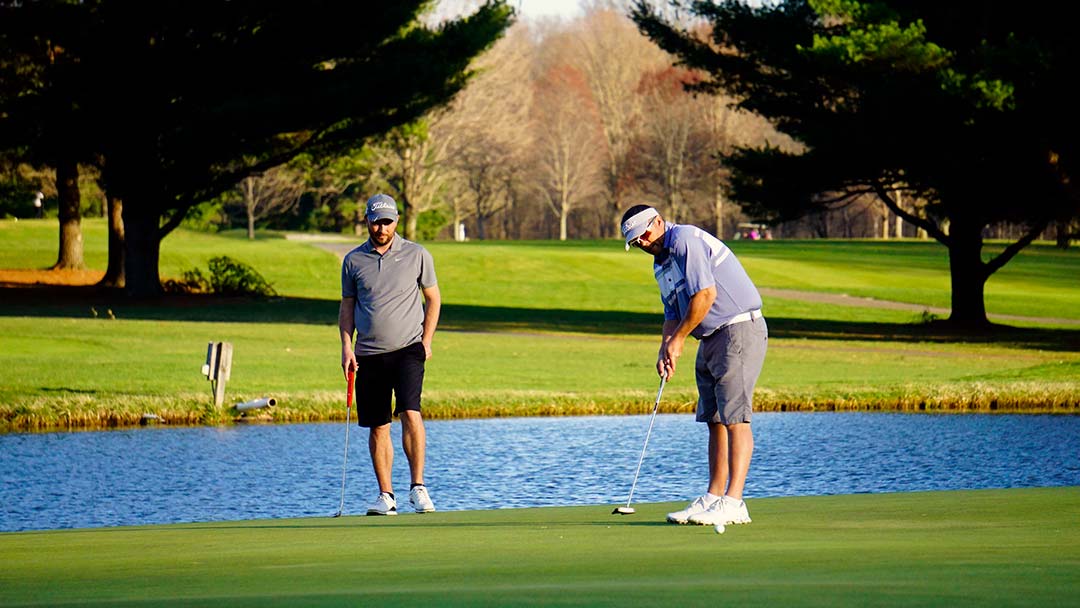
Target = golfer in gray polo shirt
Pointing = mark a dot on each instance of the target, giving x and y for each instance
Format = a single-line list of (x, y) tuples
[(382, 282), (707, 294)]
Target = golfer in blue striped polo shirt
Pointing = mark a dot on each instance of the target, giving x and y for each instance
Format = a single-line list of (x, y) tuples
[(708, 295)]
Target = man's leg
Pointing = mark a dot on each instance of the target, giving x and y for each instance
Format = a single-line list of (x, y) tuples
[(408, 386), (414, 439), (718, 458), (381, 447), (736, 371), (730, 448), (741, 440)]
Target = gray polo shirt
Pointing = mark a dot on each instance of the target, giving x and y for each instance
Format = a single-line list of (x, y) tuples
[(389, 312), (692, 260)]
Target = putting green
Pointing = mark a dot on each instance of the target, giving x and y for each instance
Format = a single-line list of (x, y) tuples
[(970, 548)]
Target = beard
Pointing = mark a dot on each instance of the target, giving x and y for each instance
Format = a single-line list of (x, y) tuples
[(380, 237)]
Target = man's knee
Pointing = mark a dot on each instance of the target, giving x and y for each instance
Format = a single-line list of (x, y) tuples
[(410, 418)]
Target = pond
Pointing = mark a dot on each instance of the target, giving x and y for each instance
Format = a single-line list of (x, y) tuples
[(154, 476)]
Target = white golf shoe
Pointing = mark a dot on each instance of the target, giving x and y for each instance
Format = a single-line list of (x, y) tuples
[(420, 500), (723, 512), (384, 505), (700, 505)]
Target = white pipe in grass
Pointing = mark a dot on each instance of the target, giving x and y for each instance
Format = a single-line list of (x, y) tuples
[(256, 404)]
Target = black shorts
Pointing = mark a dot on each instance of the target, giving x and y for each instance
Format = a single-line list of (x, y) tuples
[(400, 372)]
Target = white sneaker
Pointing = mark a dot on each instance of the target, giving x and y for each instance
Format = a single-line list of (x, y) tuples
[(698, 506), (723, 512), (420, 500), (384, 505)]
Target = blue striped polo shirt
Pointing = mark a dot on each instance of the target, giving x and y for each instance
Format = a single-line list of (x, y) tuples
[(692, 260)]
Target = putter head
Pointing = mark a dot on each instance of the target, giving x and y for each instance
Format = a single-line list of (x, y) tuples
[(623, 511), (338, 514)]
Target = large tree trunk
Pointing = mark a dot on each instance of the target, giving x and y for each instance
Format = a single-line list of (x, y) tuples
[(410, 224), (563, 214), (969, 274), (1064, 234), (114, 274), (481, 233), (142, 251), (70, 254), (247, 185)]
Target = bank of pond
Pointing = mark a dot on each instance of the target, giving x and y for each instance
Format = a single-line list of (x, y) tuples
[(89, 412)]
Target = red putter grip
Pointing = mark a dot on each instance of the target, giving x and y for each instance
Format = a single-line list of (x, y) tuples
[(349, 389)]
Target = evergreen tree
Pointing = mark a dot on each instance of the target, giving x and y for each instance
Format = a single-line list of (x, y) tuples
[(960, 106), (182, 99)]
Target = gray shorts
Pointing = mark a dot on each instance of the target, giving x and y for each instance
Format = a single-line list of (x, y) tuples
[(728, 365)]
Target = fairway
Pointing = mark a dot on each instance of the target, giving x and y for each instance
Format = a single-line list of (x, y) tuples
[(968, 548), (527, 328)]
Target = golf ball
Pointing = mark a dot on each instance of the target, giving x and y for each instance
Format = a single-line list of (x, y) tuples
[(719, 528)]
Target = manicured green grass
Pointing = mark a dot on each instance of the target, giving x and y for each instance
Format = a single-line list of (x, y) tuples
[(969, 548), (1040, 282), (527, 328), (599, 275), (137, 366)]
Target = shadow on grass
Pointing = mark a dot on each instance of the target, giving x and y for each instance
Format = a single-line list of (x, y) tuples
[(89, 302)]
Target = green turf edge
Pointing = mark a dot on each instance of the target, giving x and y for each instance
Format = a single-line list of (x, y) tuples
[(963, 548)]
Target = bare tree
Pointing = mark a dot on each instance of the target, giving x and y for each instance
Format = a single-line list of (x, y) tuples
[(413, 161), (269, 193), (726, 128), (674, 147), (613, 55), (329, 179), (567, 142), (491, 118)]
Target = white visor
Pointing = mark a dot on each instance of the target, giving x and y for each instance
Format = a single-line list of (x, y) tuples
[(636, 225)]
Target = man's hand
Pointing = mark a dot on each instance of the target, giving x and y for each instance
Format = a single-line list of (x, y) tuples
[(675, 332), (670, 351), (348, 360), (663, 370), (427, 349)]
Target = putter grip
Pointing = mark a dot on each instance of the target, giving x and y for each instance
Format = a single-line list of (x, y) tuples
[(349, 389)]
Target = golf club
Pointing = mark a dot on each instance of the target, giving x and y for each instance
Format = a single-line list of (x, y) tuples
[(345, 463), (628, 510)]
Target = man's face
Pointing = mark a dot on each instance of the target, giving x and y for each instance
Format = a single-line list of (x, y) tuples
[(650, 241), (381, 231)]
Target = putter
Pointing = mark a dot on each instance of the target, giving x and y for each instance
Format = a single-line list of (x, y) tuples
[(345, 463), (628, 510)]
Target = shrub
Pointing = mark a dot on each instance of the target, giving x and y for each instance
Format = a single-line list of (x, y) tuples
[(228, 277), (191, 281), (234, 278)]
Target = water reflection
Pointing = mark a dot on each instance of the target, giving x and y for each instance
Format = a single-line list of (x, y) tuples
[(148, 476)]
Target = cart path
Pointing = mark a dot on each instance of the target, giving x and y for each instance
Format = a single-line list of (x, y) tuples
[(837, 299), (842, 299)]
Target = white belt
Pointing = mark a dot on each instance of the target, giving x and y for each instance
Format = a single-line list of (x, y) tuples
[(743, 317)]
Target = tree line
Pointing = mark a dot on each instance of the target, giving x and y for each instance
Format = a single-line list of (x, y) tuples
[(562, 125), (813, 118)]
